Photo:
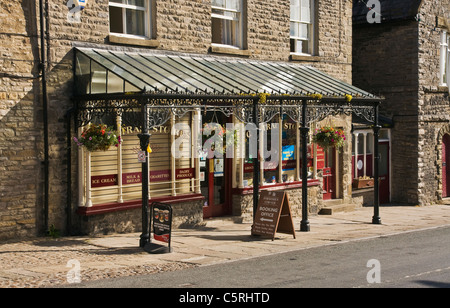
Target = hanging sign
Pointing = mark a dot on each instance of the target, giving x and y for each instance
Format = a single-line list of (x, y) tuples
[(273, 215)]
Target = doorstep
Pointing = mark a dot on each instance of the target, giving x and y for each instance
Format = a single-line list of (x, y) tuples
[(336, 206)]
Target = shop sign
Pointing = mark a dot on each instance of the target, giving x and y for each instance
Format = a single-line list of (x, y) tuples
[(273, 215), (135, 177), (104, 180), (186, 173)]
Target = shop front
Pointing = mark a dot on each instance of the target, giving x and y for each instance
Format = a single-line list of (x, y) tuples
[(220, 131)]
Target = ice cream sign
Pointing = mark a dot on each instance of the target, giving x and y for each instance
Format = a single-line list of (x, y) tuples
[(75, 7)]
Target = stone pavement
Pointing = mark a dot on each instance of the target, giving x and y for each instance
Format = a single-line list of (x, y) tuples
[(42, 262)]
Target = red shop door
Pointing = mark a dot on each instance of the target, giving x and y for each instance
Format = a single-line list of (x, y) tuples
[(446, 166), (329, 175), (216, 187)]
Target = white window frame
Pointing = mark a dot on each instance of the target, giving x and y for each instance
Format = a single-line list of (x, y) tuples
[(311, 29), (239, 19), (445, 60), (147, 18)]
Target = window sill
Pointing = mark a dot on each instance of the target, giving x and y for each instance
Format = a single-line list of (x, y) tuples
[(439, 89), (131, 205), (125, 40), (298, 57), (230, 51), (277, 186)]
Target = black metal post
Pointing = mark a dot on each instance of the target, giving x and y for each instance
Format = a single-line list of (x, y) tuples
[(144, 139), (256, 173), (304, 130), (376, 206)]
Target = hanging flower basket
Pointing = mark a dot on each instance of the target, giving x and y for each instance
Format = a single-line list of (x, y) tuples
[(98, 138), (209, 130), (329, 137)]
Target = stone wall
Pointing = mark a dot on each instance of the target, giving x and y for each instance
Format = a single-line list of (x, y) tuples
[(433, 102), (243, 203), (400, 60), (20, 121), (181, 26), (185, 214)]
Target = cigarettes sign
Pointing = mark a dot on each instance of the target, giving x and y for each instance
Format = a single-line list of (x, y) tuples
[(162, 222)]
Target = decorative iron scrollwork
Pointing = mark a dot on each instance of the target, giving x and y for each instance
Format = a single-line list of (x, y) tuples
[(160, 108)]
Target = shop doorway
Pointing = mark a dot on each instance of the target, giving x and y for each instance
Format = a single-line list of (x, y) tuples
[(216, 175), (216, 187), (446, 166), (329, 174)]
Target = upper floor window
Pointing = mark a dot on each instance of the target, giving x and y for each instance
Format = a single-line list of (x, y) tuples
[(302, 27), (444, 75), (130, 17), (227, 22)]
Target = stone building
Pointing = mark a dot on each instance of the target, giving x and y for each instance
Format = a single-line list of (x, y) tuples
[(405, 58), (46, 180)]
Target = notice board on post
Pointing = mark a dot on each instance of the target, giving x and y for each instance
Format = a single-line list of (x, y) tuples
[(161, 227), (273, 215)]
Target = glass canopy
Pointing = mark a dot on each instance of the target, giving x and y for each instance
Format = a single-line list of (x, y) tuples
[(100, 71)]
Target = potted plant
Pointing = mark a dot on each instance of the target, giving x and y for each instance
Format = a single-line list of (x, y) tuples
[(329, 137), (98, 138)]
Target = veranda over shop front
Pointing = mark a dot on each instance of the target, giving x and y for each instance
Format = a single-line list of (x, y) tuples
[(145, 94)]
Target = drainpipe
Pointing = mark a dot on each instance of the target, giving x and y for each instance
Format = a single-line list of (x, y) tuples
[(43, 68)]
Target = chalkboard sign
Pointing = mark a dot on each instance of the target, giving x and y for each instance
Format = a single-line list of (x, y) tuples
[(273, 215), (162, 227)]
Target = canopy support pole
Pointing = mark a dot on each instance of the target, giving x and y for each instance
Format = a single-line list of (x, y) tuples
[(304, 130)]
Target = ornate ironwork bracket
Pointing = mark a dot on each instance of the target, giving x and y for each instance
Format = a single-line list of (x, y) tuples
[(160, 109)]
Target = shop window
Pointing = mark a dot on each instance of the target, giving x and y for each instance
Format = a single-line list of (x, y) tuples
[(130, 17), (227, 23), (116, 174), (302, 27), (287, 167), (445, 59), (362, 154), (289, 150), (270, 143)]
